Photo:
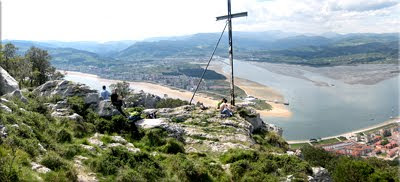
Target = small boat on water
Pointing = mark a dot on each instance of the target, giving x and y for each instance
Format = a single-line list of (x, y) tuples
[(286, 103)]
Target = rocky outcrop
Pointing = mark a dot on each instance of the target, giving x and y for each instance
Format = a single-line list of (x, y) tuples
[(16, 94), (5, 108), (106, 109), (116, 141), (257, 123), (143, 99), (64, 89), (320, 174), (7, 83), (39, 168), (204, 130)]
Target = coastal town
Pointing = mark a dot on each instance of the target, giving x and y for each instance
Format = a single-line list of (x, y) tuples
[(380, 142)]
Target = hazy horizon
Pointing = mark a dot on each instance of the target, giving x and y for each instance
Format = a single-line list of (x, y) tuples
[(172, 36), (106, 20)]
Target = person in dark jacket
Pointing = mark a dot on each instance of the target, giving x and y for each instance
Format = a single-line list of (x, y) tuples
[(117, 101)]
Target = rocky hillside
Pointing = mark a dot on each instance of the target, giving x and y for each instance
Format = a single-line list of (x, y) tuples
[(62, 131)]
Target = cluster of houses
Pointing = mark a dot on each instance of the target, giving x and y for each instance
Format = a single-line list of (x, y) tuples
[(383, 143)]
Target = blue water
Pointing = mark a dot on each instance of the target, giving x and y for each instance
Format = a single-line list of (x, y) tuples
[(317, 111), (326, 111)]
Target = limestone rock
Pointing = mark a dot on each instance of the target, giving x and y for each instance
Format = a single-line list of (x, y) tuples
[(84, 175), (5, 108), (92, 98), (106, 109), (151, 123), (88, 147), (39, 168), (320, 174), (3, 131), (143, 99), (64, 88), (75, 117), (118, 139), (41, 148), (7, 83), (17, 94), (95, 140)]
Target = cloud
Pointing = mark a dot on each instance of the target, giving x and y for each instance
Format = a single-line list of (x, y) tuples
[(362, 5), (316, 16), (105, 20)]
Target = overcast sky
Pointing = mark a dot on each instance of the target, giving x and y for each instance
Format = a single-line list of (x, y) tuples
[(107, 20)]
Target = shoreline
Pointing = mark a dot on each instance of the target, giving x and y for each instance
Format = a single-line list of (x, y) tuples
[(350, 133), (152, 88), (251, 88), (259, 91)]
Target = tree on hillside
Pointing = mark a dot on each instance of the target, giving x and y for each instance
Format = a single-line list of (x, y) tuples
[(9, 52), (21, 70), (41, 68), (123, 88)]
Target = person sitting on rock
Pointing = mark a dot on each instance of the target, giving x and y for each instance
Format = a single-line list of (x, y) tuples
[(117, 101), (105, 94), (225, 108)]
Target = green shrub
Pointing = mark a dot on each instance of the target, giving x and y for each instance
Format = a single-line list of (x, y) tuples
[(183, 169), (233, 155), (154, 137), (7, 169), (64, 136), (71, 150), (104, 125), (120, 123), (130, 175), (133, 109), (170, 103), (83, 129), (173, 147), (352, 170), (67, 175), (177, 120), (317, 156), (77, 104), (54, 162), (106, 139), (116, 158)]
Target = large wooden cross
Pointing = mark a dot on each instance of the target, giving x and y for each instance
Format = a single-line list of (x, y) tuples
[(229, 17)]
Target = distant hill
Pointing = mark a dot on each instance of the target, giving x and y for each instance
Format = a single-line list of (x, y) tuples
[(103, 49), (271, 46)]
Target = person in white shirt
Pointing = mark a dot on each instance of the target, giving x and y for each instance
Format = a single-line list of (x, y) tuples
[(105, 94)]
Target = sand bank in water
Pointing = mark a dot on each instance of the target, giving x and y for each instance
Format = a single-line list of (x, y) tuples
[(251, 88), (260, 91)]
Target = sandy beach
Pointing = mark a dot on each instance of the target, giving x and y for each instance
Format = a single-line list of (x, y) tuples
[(251, 88), (151, 88), (262, 92)]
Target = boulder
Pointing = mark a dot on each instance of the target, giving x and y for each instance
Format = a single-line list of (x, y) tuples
[(64, 89), (5, 108), (3, 131), (173, 129), (17, 94), (39, 168), (92, 98), (7, 83), (106, 109), (320, 174), (143, 99)]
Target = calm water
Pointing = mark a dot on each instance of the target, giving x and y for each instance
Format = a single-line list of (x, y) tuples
[(317, 111), (326, 111)]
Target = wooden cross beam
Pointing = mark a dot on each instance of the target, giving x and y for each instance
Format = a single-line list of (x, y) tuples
[(229, 17)]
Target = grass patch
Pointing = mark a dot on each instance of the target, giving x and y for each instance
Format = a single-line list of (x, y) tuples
[(298, 145), (328, 141)]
